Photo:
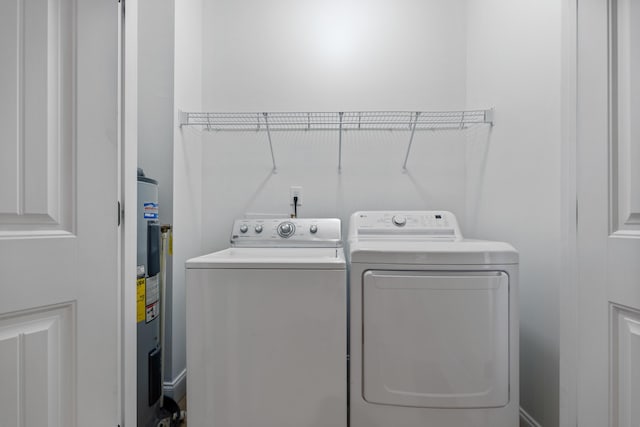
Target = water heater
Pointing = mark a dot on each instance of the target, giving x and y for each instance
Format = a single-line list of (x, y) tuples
[(148, 301)]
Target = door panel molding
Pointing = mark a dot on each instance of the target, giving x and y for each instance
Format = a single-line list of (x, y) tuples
[(37, 352), (624, 104), (37, 165), (625, 366)]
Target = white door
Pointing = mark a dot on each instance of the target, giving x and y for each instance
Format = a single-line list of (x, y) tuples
[(608, 149), (59, 287)]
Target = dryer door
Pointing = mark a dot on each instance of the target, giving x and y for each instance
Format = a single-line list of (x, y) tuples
[(436, 339)]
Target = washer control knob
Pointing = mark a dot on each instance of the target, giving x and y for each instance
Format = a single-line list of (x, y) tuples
[(399, 220), (286, 229), (258, 229), (313, 229), (244, 228)]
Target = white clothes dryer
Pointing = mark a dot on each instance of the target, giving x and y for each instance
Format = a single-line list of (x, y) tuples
[(433, 324), (266, 327)]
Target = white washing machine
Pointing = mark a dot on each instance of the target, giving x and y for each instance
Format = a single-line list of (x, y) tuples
[(266, 327), (434, 324)]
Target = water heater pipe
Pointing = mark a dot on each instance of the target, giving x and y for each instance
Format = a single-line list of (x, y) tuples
[(164, 229)]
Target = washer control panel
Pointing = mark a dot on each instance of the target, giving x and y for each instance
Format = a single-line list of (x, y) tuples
[(417, 224), (287, 232)]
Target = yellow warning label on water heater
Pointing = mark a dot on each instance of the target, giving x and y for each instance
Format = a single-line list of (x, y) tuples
[(141, 299)]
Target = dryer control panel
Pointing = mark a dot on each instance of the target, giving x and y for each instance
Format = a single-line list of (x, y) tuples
[(287, 232), (414, 224)]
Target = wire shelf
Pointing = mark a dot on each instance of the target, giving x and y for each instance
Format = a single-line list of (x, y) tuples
[(342, 121), (411, 121)]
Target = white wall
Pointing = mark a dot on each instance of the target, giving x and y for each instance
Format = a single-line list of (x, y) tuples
[(334, 55), (514, 64), (187, 170), (292, 55)]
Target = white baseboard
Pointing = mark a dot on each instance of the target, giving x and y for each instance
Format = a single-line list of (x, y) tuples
[(527, 420), (177, 388)]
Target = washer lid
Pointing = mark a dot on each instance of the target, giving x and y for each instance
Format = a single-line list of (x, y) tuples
[(462, 252), (272, 258)]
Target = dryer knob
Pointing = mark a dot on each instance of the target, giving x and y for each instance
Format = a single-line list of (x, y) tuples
[(243, 228), (258, 229), (399, 220), (313, 229)]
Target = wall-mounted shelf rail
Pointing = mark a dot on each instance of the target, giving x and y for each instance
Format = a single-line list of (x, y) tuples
[(269, 122)]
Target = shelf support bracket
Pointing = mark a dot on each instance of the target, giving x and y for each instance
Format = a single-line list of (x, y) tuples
[(266, 123), (340, 142), (413, 131), (488, 116)]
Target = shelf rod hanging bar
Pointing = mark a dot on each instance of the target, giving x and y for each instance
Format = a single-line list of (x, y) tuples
[(340, 143), (413, 131), (266, 123)]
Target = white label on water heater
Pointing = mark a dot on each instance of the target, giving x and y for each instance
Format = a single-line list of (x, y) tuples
[(153, 289)]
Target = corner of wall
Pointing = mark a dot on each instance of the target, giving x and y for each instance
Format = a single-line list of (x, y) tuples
[(187, 168)]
